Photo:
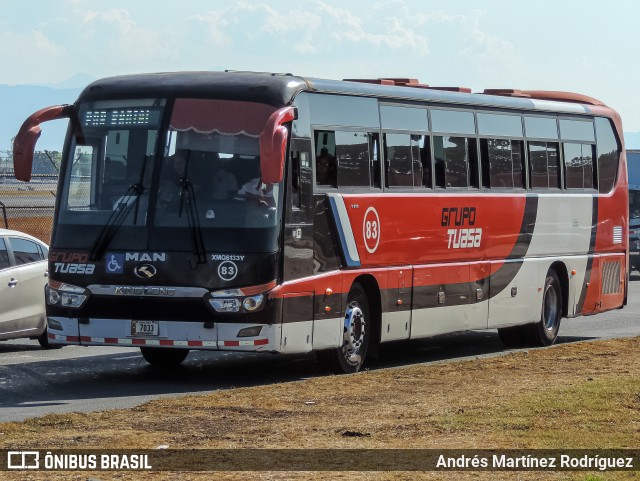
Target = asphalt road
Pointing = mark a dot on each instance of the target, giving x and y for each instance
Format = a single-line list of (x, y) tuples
[(34, 382)]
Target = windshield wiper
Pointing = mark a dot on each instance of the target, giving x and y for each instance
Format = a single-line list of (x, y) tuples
[(130, 198), (122, 208), (188, 196)]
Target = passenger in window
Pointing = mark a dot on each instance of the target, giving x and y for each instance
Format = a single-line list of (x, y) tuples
[(254, 189), (325, 168), (171, 186), (224, 185), (258, 191), (178, 163)]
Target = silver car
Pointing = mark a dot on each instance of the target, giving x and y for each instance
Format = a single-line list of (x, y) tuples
[(23, 275)]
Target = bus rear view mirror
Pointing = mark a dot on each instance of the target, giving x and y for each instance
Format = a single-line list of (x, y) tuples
[(273, 145), (25, 142)]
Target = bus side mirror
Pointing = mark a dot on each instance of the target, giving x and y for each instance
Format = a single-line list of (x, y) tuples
[(24, 144), (273, 145)]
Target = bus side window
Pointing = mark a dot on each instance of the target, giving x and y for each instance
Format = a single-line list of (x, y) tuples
[(399, 168), (408, 160), (353, 159), (295, 178), (472, 159), (325, 166), (578, 166), (452, 161), (544, 165), (502, 163), (424, 144), (608, 155), (374, 149)]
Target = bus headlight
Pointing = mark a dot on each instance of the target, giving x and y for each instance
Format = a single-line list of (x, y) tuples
[(225, 305), (252, 303), (64, 295), (245, 299)]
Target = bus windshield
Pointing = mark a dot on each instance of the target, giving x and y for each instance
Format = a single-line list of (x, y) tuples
[(114, 146), (203, 172), (214, 161)]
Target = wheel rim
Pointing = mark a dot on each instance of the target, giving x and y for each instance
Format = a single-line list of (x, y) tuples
[(550, 310), (354, 332)]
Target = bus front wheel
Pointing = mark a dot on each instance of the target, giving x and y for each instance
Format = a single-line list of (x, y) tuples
[(157, 356), (350, 357)]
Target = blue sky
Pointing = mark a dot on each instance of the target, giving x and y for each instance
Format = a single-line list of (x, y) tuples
[(584, 46)]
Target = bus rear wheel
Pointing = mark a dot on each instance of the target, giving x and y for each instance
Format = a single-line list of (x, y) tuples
[(545, 332), (350, 357), (161, 357)]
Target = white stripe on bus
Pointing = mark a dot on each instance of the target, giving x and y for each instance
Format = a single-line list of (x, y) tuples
[(345, 224)]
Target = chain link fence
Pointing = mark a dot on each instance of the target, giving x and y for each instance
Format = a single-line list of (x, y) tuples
[(28, 206)]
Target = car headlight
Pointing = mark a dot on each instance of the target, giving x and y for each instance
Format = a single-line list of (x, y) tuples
[(245, 299), (64, 295)]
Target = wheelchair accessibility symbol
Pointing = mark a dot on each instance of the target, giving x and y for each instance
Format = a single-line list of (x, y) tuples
[(114, 263)]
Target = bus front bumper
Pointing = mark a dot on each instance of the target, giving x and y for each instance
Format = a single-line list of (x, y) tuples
[(169, 334)]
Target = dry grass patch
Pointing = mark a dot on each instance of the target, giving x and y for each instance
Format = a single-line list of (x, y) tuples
[(583, 395)]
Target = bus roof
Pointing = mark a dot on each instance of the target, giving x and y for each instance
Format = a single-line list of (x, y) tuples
[(273, 89), (280, 89)]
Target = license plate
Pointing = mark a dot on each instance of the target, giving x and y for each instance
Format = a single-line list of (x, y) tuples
[(144, 328)]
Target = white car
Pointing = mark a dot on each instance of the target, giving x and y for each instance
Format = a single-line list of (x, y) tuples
[(23, 275)]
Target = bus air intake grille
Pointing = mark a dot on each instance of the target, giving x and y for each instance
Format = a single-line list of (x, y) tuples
[(611, 278), (617, 235)]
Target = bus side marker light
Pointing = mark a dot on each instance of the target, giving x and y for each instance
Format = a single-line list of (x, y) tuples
[(399, 302), (573, 272), (329, 291), (327, 308)]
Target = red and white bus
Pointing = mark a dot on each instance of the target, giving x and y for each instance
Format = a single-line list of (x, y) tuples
[(275, 213)]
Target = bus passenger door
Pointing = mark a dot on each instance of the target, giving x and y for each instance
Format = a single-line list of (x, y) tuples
[(479, 281), (298, 233), (396, 315)]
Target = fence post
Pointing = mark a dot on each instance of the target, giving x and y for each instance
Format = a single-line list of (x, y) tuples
[(4, 215)]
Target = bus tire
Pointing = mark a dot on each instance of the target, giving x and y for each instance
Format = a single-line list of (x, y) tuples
[(350, 357), (161, 357), (545, 332), (43, 340), (512, 336)]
